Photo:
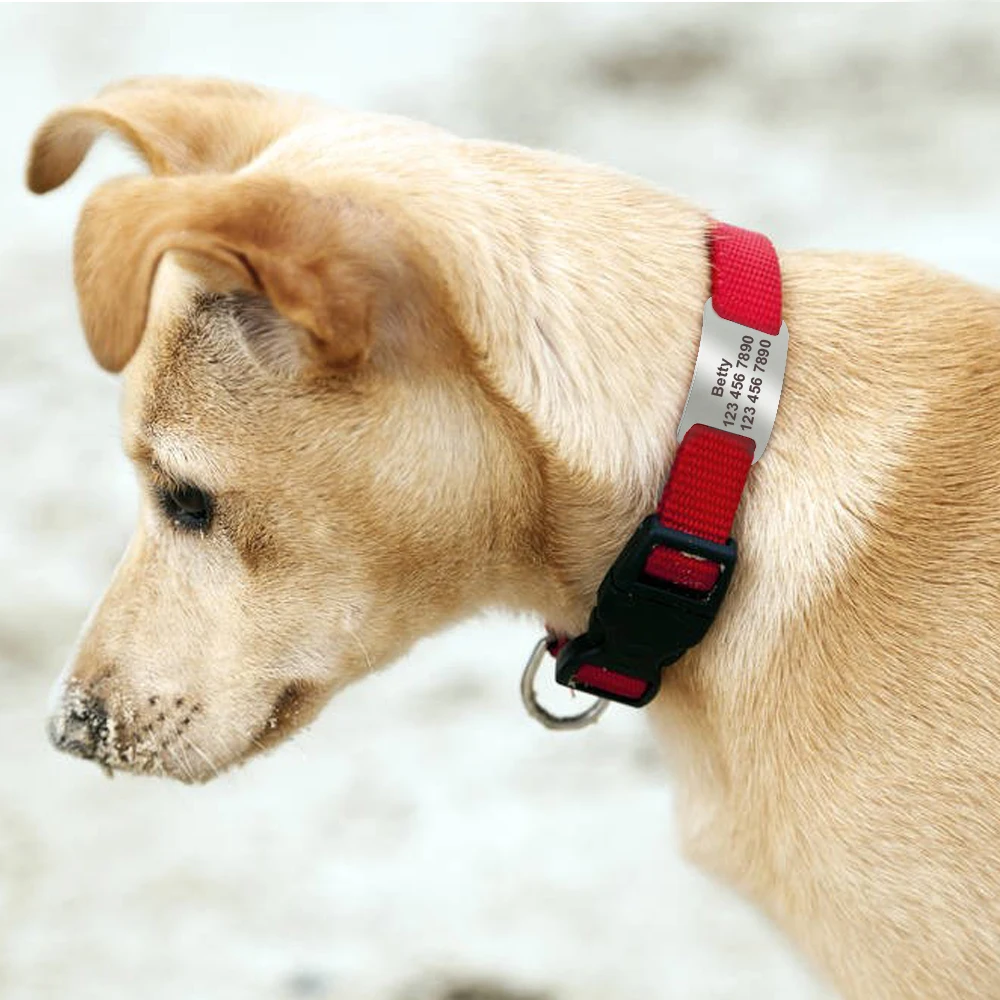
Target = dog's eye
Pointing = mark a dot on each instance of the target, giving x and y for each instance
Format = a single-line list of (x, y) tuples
[(186, 505)]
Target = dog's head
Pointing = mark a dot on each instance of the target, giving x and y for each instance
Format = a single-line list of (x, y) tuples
[(325, 473)]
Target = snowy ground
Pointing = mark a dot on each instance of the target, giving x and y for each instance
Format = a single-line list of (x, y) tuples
[(425, 840)]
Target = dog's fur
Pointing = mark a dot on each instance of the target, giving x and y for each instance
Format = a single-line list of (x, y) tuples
[(421, 375)]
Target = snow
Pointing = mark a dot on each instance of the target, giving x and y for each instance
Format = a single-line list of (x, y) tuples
[(425, 837)]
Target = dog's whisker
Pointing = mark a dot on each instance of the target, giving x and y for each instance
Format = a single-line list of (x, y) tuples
[(201, 753), (364, 649), (226, 745), (250, 738), (185, 763)]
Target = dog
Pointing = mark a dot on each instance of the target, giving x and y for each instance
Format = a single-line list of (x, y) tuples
[(378, 377)]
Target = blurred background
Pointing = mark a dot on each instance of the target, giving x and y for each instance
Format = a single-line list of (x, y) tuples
[(425, 840)]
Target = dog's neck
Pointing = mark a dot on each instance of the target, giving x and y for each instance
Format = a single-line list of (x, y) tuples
[(599, 369)]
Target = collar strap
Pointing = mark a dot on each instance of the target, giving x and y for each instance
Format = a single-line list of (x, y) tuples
[(663, 592)]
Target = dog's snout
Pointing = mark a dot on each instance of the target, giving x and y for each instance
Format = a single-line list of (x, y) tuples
[(80, 728)]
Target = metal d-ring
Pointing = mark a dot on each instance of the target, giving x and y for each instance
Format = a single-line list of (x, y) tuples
[(535, 709)]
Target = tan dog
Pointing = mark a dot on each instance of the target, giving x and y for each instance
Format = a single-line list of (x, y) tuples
[(377, 377)]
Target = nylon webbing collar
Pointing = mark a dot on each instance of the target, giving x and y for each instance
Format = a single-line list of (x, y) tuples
[(662, 594)]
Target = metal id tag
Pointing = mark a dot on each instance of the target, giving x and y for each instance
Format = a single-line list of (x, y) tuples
[(737, 380)]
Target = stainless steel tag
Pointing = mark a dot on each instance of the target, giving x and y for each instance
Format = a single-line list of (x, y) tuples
[(737, 380)]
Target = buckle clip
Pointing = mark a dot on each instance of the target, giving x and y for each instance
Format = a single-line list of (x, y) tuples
[(641, 624)]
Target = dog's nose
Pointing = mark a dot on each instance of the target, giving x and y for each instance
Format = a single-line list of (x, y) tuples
[(80, 727)]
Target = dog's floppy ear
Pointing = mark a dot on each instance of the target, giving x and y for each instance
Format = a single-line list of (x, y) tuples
[(177, 125), (333, 264)]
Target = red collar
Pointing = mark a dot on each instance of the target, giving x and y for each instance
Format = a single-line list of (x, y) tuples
[(663, 592)]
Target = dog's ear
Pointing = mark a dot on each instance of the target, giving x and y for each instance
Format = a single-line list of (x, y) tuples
[(177, 125), (335, 265)]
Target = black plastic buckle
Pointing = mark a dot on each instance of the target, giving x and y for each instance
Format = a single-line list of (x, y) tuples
[(641, 624)]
